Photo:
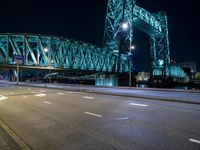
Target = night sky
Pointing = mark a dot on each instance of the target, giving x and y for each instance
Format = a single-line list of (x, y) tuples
[(84, 20)]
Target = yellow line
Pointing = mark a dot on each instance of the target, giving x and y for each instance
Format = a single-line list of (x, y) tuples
[(12, 134)]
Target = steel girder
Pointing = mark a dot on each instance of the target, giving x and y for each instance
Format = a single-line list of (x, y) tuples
[(61, 53), (119, 11), (160, 53)]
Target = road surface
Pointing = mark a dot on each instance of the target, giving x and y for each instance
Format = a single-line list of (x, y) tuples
[(50, 119)]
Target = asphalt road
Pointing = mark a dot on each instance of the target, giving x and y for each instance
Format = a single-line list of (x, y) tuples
[(48, 119)]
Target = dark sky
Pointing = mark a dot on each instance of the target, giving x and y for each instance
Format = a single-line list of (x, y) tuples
[(84, 20)]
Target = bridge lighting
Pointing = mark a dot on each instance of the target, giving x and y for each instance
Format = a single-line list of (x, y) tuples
[(132, 47), (125, 26), (161, 62), (46, 50)]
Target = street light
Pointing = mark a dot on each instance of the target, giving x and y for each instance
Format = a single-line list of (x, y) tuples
[(132, 47), (49, 62), (125, 26), (46, 50)]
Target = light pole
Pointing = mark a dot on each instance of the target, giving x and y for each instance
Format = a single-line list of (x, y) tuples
[(130, 64), (125, 27), (49, 63)]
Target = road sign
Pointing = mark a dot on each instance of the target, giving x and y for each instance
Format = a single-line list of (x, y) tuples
[(18, 59)]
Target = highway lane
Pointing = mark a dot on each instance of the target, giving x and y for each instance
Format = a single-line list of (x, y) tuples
[(58, 119)]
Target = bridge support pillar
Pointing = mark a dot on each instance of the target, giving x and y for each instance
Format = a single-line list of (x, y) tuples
[(106, 80)]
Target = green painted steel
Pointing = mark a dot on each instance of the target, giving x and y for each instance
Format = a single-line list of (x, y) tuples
[(60, 53), (70, 54), (155, 25)]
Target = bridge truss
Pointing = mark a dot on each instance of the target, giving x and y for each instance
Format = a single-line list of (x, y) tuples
[(60, 53), (70, 54), (155, 25)]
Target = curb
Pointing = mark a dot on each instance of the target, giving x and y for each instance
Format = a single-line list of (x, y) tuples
[(114, 94), (14, 136)]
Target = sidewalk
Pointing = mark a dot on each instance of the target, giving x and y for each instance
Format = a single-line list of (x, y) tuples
[(172, 95)]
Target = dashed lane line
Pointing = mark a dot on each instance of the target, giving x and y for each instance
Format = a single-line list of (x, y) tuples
[(40, 95), (195, 141), (136, 104), (122, 118), (87, 97), (47, 102), (60, 93), (93, 114), (73, 92)]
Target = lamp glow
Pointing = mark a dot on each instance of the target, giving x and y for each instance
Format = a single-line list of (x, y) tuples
[(125, 26), (46, 50), (132, 47)]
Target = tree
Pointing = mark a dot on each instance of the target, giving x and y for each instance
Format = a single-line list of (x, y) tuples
[(197, 76)]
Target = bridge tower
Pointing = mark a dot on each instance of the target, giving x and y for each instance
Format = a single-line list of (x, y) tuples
[(155, 25)]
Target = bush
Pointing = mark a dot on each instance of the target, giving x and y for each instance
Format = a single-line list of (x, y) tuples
[(197, 76)]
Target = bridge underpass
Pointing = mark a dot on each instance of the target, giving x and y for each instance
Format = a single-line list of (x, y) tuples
[(58, 53)]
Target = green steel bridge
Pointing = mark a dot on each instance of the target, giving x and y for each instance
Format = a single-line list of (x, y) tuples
[(62, 53)]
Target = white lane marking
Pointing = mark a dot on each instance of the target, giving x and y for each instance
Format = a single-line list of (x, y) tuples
[(24, 96), (73, 92), (122, 118), (87, 97), (135, 104), (60, 93), (3, 97), (96, 115), (46, 102), (40, 95), (195, 141)]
